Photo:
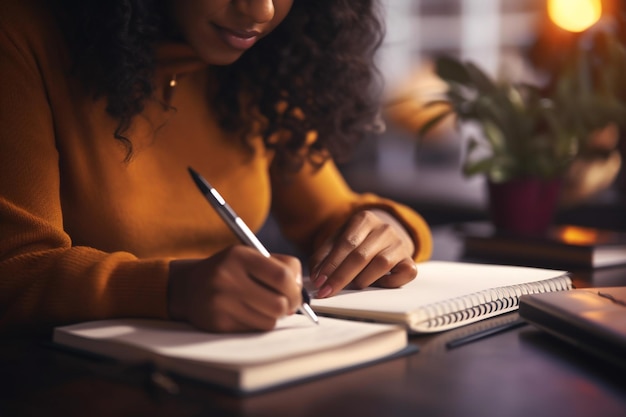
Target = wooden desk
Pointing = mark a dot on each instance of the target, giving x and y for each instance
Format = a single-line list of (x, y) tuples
[(522, 372)]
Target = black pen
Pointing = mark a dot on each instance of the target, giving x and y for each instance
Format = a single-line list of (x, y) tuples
[(243, 232)]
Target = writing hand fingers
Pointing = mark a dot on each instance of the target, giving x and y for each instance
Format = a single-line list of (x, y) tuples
[(237, 289), (404, 272), (368, 251)]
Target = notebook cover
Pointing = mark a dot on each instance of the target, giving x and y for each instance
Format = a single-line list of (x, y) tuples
[(593, 319)]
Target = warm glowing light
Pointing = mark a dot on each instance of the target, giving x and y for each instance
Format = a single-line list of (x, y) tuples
[(575, 235), (574, 15)]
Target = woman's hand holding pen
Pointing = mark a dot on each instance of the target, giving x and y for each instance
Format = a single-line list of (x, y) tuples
[(371, 249), (235, 290)]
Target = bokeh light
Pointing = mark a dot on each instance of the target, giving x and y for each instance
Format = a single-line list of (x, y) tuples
[(574, 15)]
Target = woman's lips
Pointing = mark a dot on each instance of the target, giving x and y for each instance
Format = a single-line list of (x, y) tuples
[(238, 39)]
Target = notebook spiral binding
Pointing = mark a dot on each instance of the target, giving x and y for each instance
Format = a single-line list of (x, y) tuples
[(489, 302)]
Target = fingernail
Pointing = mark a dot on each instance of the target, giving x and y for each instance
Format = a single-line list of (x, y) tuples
[(314, 274), (299, 280), (320, 280), (324, 291)]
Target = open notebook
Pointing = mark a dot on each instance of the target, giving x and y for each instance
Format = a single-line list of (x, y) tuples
[(445, 295), (295, 350)]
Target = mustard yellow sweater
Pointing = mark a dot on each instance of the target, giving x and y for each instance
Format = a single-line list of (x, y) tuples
[(84, 235)]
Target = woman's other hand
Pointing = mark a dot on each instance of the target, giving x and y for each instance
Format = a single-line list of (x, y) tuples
[(372, 249), (236, 290)]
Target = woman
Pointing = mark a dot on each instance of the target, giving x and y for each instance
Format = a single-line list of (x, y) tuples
[(103, 106)]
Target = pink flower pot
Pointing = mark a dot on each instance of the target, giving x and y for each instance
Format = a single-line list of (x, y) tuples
[(524, 206)]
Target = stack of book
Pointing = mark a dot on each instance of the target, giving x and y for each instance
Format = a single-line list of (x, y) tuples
[(563, 246)]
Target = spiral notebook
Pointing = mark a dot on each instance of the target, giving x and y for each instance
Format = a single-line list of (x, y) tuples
[(445, 295)]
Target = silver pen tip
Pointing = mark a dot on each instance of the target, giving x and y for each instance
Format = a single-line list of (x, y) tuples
[(308, 311)]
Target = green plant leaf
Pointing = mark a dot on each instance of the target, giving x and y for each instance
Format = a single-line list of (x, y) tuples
[(451, 70), (472, 144), (435, 120), (435, 103), (479, 79), (471, 168), (494, 135), (535, 131)]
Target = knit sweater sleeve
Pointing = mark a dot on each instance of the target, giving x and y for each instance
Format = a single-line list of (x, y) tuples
[(44, 279), (313, 204)]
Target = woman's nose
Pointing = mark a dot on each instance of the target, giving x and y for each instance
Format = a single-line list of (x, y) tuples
[(260, 11)]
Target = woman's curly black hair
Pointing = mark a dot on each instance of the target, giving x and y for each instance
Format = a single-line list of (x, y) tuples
[(319, 60)]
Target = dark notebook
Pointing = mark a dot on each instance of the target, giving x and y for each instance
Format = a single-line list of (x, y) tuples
[(593, 319), (562, 246)]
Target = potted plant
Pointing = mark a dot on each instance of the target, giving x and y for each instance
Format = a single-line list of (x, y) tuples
[(588, 66), (528, 137)]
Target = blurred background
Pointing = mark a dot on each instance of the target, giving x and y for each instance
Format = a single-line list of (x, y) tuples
[(519, 40), (514, 39)]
